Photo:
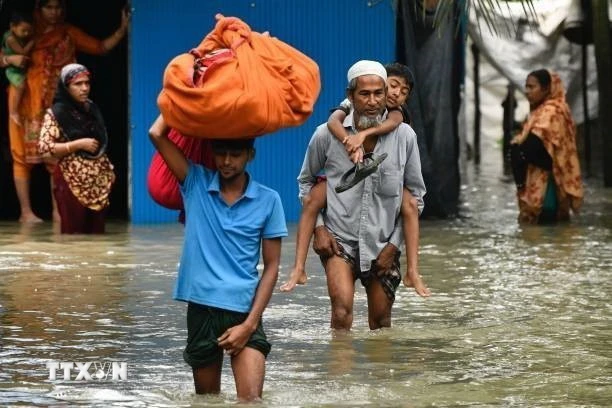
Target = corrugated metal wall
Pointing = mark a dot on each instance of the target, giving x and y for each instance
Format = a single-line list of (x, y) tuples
[(335, 33)]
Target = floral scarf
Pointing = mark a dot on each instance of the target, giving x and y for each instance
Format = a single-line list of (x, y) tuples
[(552, 122)]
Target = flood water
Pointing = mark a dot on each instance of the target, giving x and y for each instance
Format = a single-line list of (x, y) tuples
[(519, 316)]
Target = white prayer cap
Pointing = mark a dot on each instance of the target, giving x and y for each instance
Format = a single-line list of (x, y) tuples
[(365, 67)]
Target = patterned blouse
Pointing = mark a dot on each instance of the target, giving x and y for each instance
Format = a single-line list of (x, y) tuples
[(89, 180)]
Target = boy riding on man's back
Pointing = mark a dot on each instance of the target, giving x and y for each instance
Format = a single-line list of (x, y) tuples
[(399, 85)]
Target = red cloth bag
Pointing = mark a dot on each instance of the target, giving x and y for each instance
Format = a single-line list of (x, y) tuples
[(161, 183)]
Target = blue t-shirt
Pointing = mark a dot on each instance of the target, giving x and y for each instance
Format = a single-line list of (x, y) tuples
[(222, 243)]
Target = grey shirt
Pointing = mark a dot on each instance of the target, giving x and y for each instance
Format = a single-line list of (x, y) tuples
[(366, 217)]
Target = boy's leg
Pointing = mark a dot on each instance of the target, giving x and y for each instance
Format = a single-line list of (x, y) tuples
[(249, 371), (311, 206), (202, 352), (410, 226), (13, 101), (207, 380)]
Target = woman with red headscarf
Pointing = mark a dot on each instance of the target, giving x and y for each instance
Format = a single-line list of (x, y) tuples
[(544, 155), (56, 44)]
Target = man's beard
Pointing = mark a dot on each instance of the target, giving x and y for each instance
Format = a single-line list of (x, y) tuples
[(366, 122)]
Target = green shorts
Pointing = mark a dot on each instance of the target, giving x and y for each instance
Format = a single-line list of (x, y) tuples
[(16, 76), (205, 324)]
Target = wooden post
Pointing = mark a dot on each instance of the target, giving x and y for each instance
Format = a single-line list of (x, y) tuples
[(585, 104), (477, 114), (603, 56), (509, 105)]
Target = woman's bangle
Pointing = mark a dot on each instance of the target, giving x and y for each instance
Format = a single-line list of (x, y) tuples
[(5, 61), (68, 147)]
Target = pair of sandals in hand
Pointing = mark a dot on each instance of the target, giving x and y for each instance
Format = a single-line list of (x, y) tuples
[(360, 171)]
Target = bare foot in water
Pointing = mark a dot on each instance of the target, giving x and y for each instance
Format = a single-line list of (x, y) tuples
[(298, 277), (413, 280), (30, 218)]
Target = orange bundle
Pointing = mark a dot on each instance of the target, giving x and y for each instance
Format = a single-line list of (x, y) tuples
[(238, 83)]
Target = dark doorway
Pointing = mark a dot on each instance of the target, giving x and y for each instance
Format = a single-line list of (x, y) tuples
[(109, 90)]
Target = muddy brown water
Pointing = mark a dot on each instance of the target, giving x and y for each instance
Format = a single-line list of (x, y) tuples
[(520, 316)]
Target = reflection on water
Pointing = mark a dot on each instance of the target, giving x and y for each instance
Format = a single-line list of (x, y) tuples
[(518, 317)]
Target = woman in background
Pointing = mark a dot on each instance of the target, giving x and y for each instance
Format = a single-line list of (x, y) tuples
[(55, 45), (544, 155), (73, 132)]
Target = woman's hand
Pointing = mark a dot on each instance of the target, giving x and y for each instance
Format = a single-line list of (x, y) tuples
[(126, 14), (89, 144), (111, 42)]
